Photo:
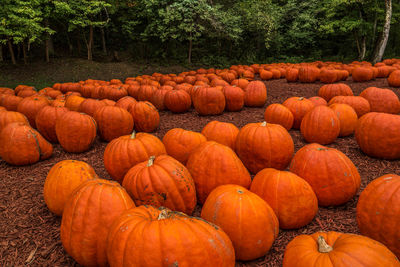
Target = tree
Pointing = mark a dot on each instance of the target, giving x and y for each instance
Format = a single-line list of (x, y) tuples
[(382, 42)]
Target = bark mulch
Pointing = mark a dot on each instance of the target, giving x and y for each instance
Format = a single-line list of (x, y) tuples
[(29, 233)]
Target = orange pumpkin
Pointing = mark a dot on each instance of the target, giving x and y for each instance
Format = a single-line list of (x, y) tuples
[(359, 104), (299, 106), (224, 133), (255, 94), (347, 116), (292, 75), (394, 79), (205, 244), (126, 102), (362, 74), (73, 102), (10, 102), (30, 107), (382, 100), (291, 197), (331, 174), (90, 106), (46, 121), (145, 116), (308, 74), (157, 99), (318, 101), (329, 91), (234, 98), (248, 220), (7, 117), (177, 101), (279, 114), (208, 101)]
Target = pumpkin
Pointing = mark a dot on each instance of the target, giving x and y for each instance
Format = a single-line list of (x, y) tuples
[(145, 92), (394, 79), (157, 99), (126, 151), (73, 102), (76, 131), (161, 181), (224, 133), (22, 145), (145, 116), (347, 116), (180, 143), (241, 83), (27, 93), (377, 134), (113, 122), (265, 75), (299, 106), (331, 174), (362, 74), (279, 114), (291, 197), (62, 179), (328, 76), (90, 106), (360, 105), (255, 94), (329, 91), (191, 241), (7, 117), (46, 121), (177, 101), (212, 164), (30, 107), (382, 100), (247, 219), (126, 102), (337, 249), (11, 102), (87, 217), (264, 145), (234, 98), (318, 101), (308, 74), (208, 101), (108, 102), (320, 125), (378, 210), (292, 75)]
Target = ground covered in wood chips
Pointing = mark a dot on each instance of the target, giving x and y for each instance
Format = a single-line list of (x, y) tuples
[(29, 232)]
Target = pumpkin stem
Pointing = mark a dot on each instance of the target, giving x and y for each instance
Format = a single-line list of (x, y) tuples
[(323, 247), (133, 135), (301, 98), (264, 123), (163, 215), (151, 161), (321, 148)]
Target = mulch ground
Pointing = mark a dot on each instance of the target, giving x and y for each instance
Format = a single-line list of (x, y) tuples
[(29, 233)]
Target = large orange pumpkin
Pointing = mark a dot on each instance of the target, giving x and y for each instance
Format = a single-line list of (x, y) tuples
[(331, 174), (394, 79), (291, 197), (279, 114), (145, 116), (255, 94), (126, 102), (308, 74), (360, 105), (208, 101), (46, 121), (318, 101), (382, 100), (7, 117), (212, 164), (221, 132), (10, 102), (329, 91), (337, 249), (378, 210), (90, 106), (30, 107), (177, 101), (76, 131), (87, 217), (62, 179), (347, 116), (234, 97), (73, 102), (138, 238), (362, 74), (161, 181), (299, 106), (248, 220), (264, 145), (378, 136)]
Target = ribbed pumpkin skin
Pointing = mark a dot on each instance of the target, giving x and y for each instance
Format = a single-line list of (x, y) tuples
[(362, 74), (347, 116), (46, 121), (331, 174), (291, 197), (62, 179), (255, 94), (348, 250), (329, 91), (208, 101), (157, 99), (126, 151), (308, 74), (279, 114), (299, 106), (87, 217), (224, 133), (73, 102), (10, 102), (7, 117), (22, 145), (378, 136), (113, 122), (318, 101), (76, 131), (90, 106), (377, 211), (177, 101), (142, 233), (212, 164), (382, 100), (126, 102), (262, 146), (248, 220), (320, 125), (292, 75), (180, 143), (360, 105), (166, 182), (234, 98), (394, 79), (145, 116), (30, 106)]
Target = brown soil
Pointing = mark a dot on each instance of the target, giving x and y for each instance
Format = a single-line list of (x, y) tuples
[(29, 233)]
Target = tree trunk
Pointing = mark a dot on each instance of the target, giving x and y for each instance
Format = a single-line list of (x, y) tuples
[(363, 47), (11, 52), (103, 41), (90, 43), (381, 45), (24, 53), (47, 51), (358, 44)]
